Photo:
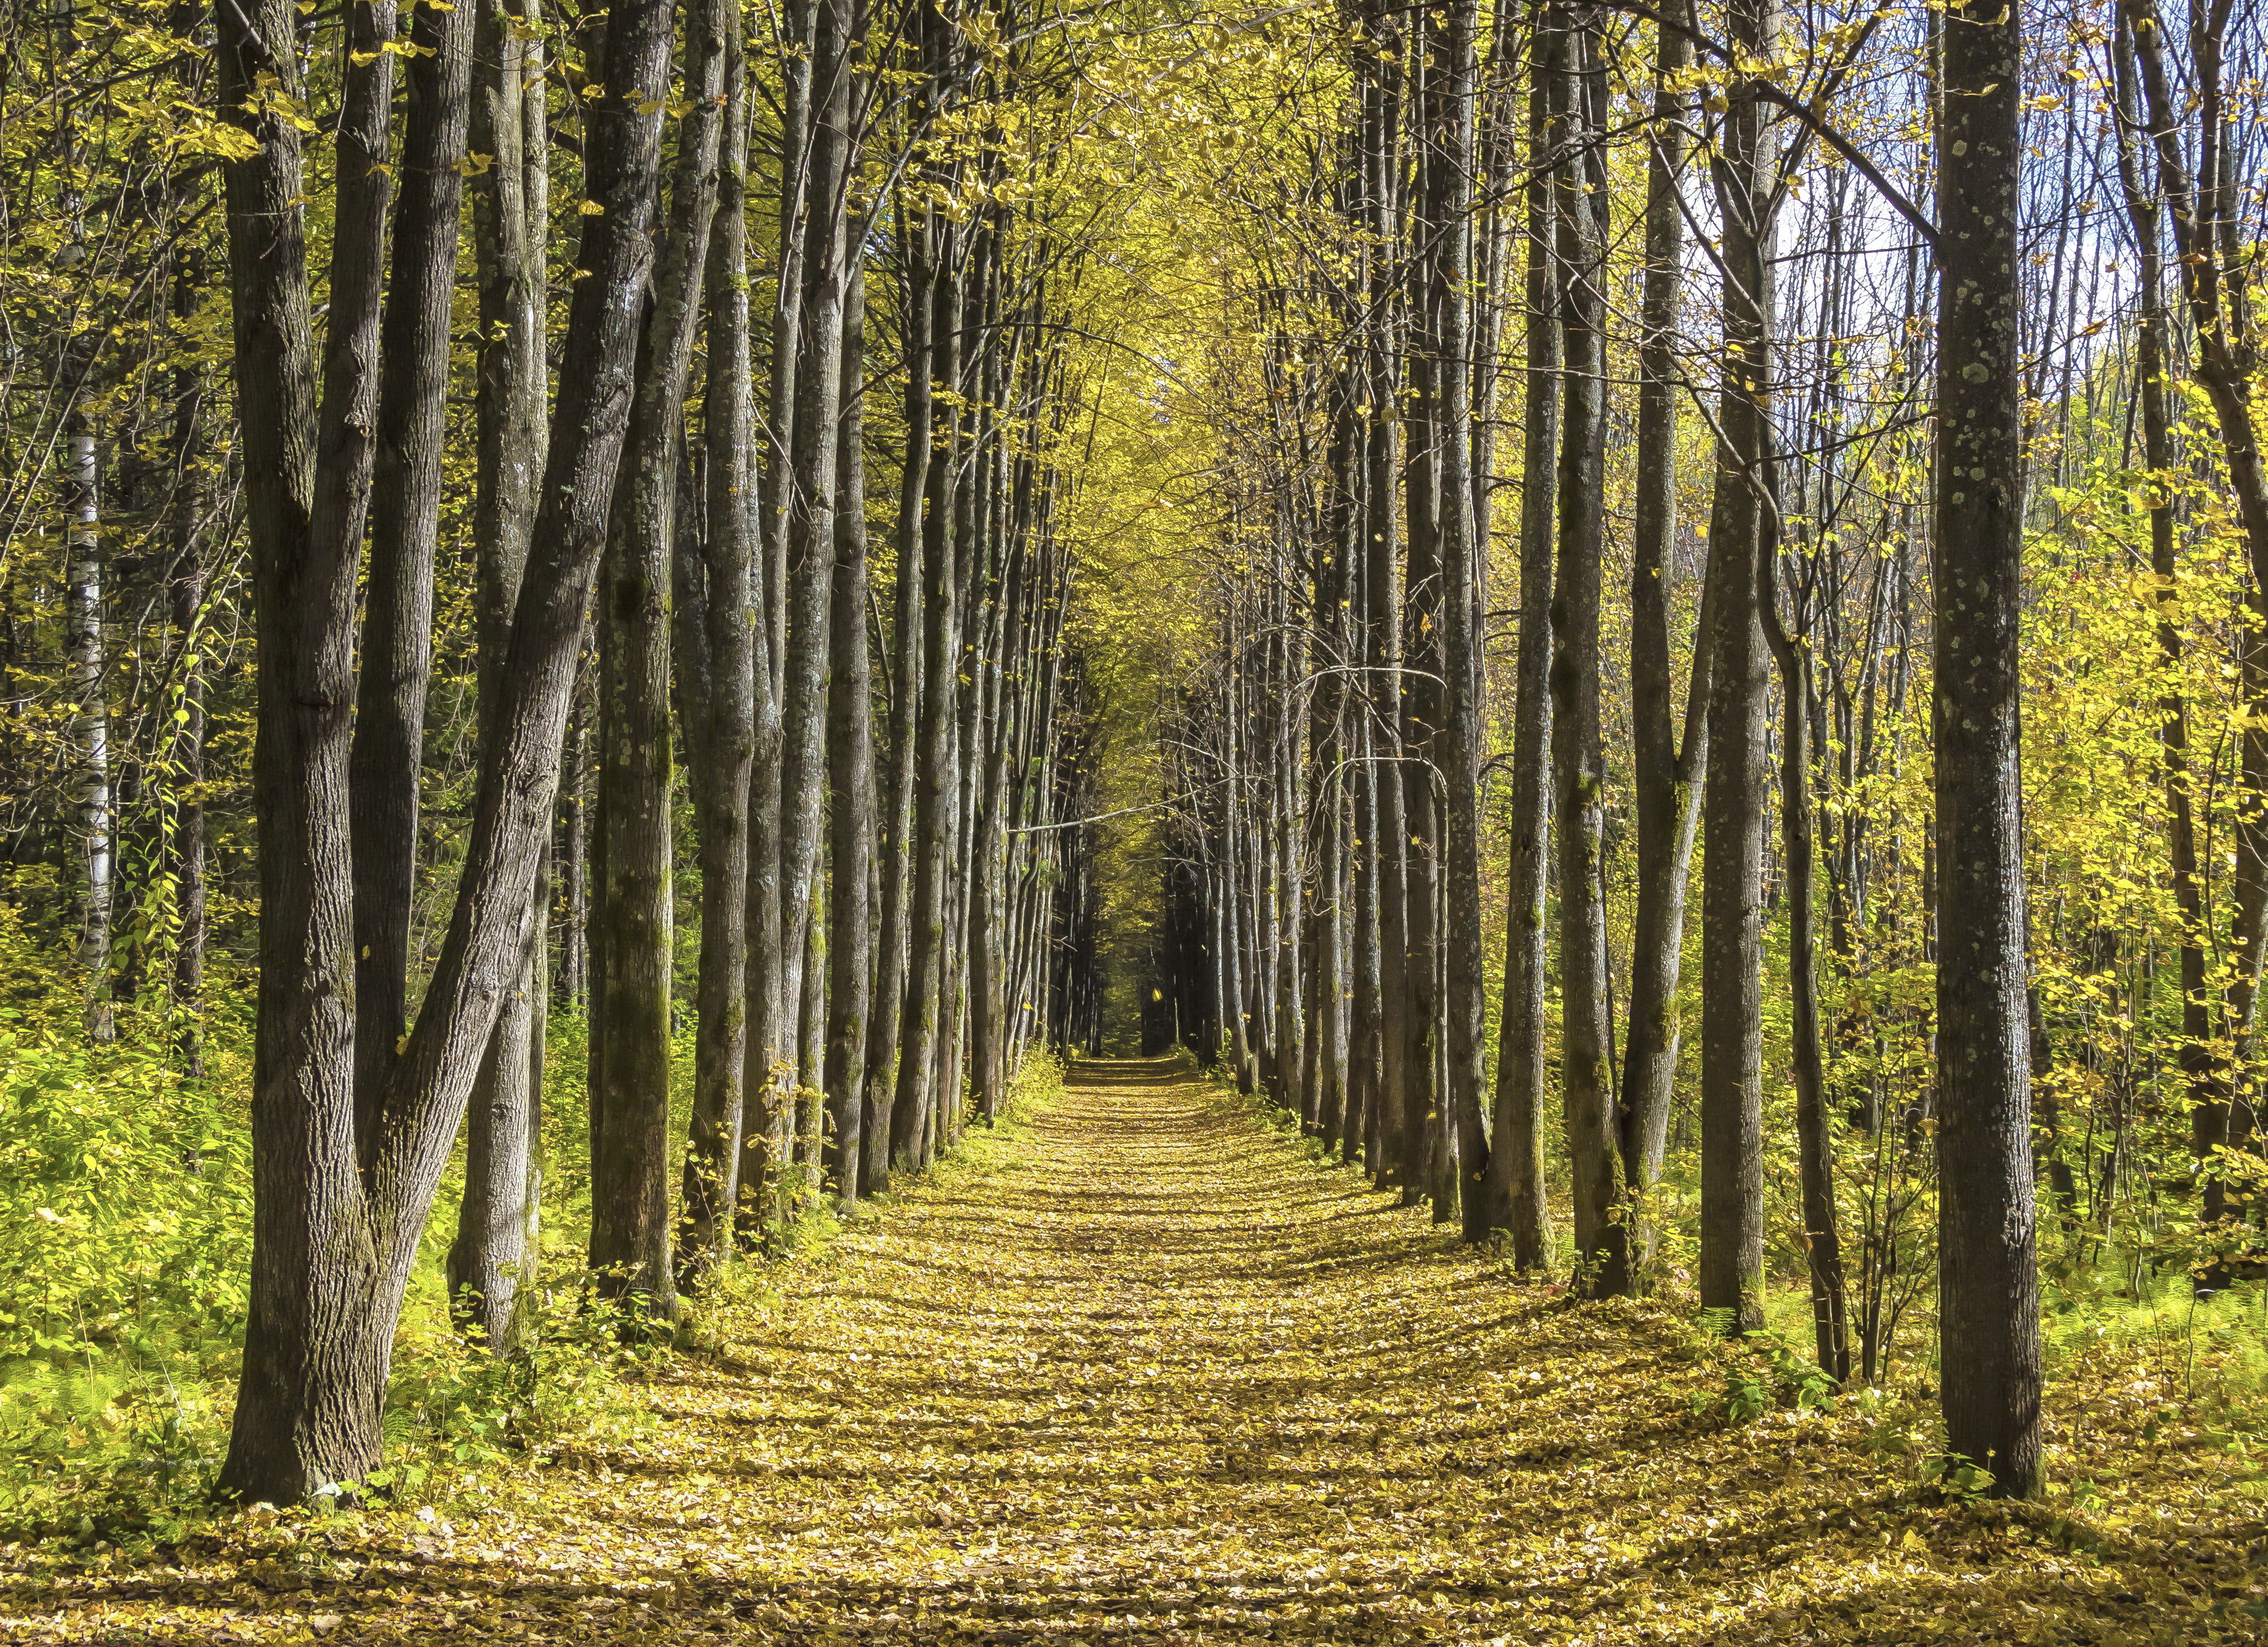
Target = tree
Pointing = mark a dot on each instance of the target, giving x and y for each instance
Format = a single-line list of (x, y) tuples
[(341, 1190), (1988, 1271), (1731, 1270)]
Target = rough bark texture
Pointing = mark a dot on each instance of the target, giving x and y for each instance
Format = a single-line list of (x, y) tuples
[(1988, 1276), (335, 1239), (735, 645), (397, 645), (1731, 1268), (633, 918), (1667, 768), (851, 786), (495, 1247), (1578, 750), (1515, 1187)]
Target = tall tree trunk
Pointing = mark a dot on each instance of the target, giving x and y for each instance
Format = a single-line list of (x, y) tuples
[(810, 504), (2154, 356), (495, 1249), (1823, 1239), (302, 1422), (1463, 618), (634, 923), (397, 646), (1578, 753), (1382, 63), (1667, 776), (340, 1206), (2204, 209), (1731, 1270), (1988, 1274), (736, 643), (189, 535), (935, 781), (90, 713), (882, 1051), (769, 1079), (1515, 1182), (850, 780)]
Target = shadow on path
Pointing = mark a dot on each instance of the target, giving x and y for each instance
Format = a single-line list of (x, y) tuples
[(1152, 1376)]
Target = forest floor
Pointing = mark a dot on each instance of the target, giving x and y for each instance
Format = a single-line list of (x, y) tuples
[(1145, 1372)]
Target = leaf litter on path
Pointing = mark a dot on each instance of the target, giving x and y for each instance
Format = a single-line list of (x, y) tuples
[(1150, 1375)]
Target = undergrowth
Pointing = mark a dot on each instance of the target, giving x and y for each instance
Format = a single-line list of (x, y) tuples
[(125, 1230)]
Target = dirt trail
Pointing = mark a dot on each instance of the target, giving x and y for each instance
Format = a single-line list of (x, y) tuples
[(1144, 1374)]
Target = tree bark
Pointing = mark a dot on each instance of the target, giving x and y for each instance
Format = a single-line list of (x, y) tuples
[(633, 924), (1731, 1268), (850, 780), (1578, 753), (497, 1221), (919, 298), (736, 643), (1515, 1183), (811, 500), (1667, 776), (385, 768), (333, 1241), (90, 724), (1988, 1276)]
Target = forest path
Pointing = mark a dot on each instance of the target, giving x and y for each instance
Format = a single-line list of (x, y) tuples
[(1138, 1370)]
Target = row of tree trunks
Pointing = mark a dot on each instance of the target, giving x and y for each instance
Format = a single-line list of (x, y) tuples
[(1346, 699), (345, 1162), (636, 484)]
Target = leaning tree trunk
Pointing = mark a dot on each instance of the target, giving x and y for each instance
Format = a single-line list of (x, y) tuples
[(405, 521)]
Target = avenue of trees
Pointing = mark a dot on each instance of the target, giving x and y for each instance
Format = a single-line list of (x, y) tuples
[(1856, 349), (791, 554)]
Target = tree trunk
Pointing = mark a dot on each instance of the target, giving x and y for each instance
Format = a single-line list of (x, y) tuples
[(1578, 753), (1731, 1268), (1463, 620), (90, 713), (335, 1238), (720, 780), (1666, 776), (1988, 1275), (935, 780), (1515, 1184), (1823, 1239), (189, 535), (495, 1248), (810, 504), (634, 922), (397, 645), (919, 295), (2154, 363), (850, 781)]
